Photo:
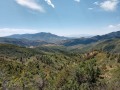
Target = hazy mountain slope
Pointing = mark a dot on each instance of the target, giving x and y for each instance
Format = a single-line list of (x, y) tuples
[(21, 42), (110, 45), (16, 51), (48, 37), (92, 39)]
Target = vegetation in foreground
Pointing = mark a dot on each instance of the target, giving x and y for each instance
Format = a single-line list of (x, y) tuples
[(57, 68)]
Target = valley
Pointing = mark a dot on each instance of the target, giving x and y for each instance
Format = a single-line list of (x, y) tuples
[(75, 64)]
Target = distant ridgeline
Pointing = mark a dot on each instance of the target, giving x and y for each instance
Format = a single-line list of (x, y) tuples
[(47, 37), (108, 42), (94, 39)]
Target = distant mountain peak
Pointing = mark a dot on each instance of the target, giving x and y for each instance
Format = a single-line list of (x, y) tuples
[(42, 36)]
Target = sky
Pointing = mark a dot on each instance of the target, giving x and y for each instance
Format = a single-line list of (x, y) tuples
[(60, 17)]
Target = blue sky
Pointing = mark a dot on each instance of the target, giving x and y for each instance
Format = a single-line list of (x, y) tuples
[(61, 17)]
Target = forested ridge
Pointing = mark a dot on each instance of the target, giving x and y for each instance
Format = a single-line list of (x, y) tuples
[(58, 68)]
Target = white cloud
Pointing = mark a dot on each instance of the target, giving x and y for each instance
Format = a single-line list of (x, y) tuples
[(96, 3), (32, 4), (50, 3), (77, 0), (109, 5), (111, 26), (114, 27), (90, 8), (10, 31)]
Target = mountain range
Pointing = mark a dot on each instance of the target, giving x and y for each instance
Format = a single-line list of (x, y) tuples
[(48, 38), (90, 40), (43, 36)]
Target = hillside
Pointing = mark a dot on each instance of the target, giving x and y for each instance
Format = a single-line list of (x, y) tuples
[(92, 39), (109, 45), (22, 42), (47, 37), (56, 68)]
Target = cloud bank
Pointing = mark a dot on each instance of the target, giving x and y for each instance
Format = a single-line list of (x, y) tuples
[(31, 4), (117, 26), (10, 31), (108, 5)]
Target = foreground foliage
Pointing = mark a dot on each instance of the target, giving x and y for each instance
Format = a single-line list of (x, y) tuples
[(57, 68)]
